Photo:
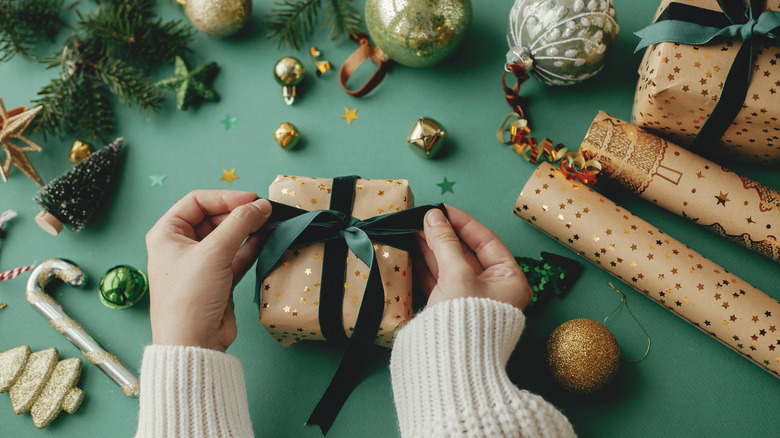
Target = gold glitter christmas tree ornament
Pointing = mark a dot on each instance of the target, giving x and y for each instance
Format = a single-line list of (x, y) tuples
[(583, 356), (40, 383), (12, 125)]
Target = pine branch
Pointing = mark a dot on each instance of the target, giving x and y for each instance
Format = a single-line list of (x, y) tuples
[(293, 21), (94, 99), (23, 22), (342, 18), (129, 84), (58, 100)]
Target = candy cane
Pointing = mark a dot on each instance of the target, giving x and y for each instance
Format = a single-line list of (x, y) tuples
[(52, 311)]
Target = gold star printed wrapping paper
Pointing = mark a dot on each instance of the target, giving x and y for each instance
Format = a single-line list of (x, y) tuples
[(654, 263), (290, 294), (686, 184), (679, 86)]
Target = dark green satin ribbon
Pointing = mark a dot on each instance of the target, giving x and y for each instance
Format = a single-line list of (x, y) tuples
[(296, 227), (681, 23)]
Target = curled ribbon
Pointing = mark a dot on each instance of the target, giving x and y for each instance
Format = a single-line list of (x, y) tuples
[(572, 164)]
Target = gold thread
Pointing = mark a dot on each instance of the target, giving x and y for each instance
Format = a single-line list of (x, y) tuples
[(33, 297), (621, 303), (98, 357), (62, 324), (131, 389)]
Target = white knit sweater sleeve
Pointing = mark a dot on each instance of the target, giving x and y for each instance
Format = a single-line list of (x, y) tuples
[(192, 392), (448, 369)]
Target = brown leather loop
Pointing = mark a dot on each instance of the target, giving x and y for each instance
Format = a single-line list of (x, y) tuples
[(364, 52)]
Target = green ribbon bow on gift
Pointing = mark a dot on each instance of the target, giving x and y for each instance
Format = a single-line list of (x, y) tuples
[(336, 227), (681, 23)]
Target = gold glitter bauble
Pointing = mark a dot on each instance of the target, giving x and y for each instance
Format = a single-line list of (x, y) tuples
[(582, 355), (218, 18)]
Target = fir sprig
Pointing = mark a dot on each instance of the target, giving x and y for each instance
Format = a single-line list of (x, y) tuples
[(24, 22), (116, 47), (293, 21)]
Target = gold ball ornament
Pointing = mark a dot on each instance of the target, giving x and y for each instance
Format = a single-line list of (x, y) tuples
[(426, 137), (79, 151), (289, 72), (582, 355), (217, 18), (287, 136)]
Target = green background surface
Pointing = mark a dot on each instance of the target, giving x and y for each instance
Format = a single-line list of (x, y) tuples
[(689, 385)]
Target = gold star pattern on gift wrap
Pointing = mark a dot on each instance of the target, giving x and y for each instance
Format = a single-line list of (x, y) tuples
[(12, 126), (229, 175), (661, 278), (350, 115)]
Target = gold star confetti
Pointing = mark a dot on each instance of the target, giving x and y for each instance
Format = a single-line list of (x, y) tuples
[(350, 115), (229, 176)]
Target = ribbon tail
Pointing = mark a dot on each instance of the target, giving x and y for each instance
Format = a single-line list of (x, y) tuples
[(681, 32), (352, 364), (729, 104)]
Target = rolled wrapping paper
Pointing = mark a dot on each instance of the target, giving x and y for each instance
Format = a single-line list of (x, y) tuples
[(52, 311), (693, 287), (686, 184)]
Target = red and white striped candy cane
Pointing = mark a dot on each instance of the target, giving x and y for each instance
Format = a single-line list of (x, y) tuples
[(7, 275)]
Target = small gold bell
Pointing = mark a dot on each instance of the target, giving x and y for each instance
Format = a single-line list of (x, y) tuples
[(79, 151), (287, 136), (289, 72), (426, 137)]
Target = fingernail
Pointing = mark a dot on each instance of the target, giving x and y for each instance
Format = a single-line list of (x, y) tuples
[(263, 205), (435, 217)]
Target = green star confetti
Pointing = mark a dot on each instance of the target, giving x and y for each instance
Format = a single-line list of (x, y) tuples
[(229, 122), (191, 86), (158, 179), (446, 186)]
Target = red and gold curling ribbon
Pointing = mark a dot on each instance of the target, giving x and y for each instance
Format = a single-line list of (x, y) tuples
[(572, 164)]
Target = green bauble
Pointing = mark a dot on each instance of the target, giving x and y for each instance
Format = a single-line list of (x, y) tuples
[(418, 33), (122, 286), (565, 41)]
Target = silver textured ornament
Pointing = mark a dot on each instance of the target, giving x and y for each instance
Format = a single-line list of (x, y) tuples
[(218, 18), (565, 41)]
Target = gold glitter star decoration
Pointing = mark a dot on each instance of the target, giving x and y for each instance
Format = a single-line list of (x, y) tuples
[(12, 126), (40, 383)]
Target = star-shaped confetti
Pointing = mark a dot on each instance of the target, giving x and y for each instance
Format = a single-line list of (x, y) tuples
[(13, 125), (191, 86), (158, 179), (446, 186), (229, 176), (229, 122), (350, 115)]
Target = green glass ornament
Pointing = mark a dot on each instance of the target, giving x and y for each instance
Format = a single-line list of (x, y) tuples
[(565, 41), (122, 287), (418, 33)]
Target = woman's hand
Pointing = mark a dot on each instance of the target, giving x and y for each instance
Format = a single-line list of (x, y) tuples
[(463, 258), (198, 251)]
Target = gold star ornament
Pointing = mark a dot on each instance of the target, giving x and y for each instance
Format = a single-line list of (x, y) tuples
[(12, 126)]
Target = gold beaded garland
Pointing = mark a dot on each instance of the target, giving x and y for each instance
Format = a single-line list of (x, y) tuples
[(582, 356)]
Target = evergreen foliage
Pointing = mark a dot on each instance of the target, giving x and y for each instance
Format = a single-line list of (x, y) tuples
[(24, 22), (75, 196), (293, 21), (116, 46)]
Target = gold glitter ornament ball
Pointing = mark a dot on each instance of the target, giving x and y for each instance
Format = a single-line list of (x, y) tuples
[(582, 356), (217, 18)]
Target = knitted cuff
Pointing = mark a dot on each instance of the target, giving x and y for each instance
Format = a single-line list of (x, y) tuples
[(449, 378), (191, 391)]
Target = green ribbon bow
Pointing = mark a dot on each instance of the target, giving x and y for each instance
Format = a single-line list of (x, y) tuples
[(681, 23), (336, 227)]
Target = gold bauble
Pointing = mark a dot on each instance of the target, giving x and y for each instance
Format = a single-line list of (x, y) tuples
[(218, 18), (287, 135), (582, 355), (289, 72), (79, 151)]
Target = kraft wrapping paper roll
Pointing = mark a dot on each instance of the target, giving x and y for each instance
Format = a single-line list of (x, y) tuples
[(686, 184), (654, 263)]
